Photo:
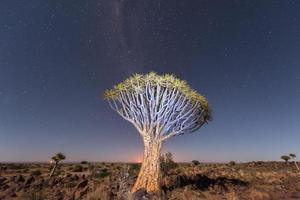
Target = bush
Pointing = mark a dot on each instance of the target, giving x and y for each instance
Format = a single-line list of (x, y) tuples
[(135, 167), (36, 172), (16, 166), (77, 168), (195, 162), (167, 162), (100, 173), (232, 163), (84, 162)]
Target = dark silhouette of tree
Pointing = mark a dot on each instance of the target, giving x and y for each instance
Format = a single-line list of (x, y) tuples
[(195, 162), (167, 163), (285, 158), (57, 158), (159, 107)]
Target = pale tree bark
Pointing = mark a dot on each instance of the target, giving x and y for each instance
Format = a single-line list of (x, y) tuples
[(53, 169), (149, 175), (296, 165)]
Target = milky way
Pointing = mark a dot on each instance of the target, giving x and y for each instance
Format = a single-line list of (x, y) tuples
[(58, 57)]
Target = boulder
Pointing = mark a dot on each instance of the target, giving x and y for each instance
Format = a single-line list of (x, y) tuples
[(29, 180), (19, 179), (140, 194), (2, 180)]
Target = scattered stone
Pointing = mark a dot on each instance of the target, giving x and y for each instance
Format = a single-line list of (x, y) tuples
[(19, 178), (29, 180), (140, 194), (2, 179)]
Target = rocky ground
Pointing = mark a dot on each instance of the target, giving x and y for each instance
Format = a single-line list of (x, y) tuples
[(92, 181)]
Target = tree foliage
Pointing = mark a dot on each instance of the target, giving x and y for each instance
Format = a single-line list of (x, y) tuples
[(285, 158), (160, 105), (195, 162), (292, 155), (58, 157), (167, 162)]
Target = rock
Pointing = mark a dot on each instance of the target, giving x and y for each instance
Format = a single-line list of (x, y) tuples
[(2, 179), (19, 178), (54, 181), (29, 180), (75, 177), (140, 194)]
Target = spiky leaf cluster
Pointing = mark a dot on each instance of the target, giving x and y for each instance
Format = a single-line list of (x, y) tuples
[(59, 157), (137, 82)]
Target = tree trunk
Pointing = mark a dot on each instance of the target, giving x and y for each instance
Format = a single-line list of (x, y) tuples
[(297, 166), (53, 170), (149, 175)]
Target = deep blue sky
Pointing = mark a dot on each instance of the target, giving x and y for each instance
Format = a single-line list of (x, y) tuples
[(57, 57)]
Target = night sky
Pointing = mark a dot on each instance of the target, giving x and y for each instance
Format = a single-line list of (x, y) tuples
[(57, 57)]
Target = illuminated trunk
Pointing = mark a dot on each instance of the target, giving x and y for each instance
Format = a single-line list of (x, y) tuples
[(149, 175), (297, 166), (53, 170)]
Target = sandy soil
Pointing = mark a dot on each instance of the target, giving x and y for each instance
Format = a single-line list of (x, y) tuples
[(255, 180)]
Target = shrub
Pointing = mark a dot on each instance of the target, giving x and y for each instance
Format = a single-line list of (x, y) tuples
[(77, 168), (195, 162), (232, 163), (135, 167), (84, 162), (16, 166), (100, 173), (36, 172), (167, 163)]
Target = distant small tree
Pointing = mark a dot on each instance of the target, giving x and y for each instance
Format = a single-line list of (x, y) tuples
[(285, 158), (195, 162), (293, 157), (167, 163), (232, 163), (57, 158)]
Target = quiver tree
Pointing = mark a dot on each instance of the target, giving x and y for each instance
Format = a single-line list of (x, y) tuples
[(159, 107), (293, 156), (57, 158), (285, 158)]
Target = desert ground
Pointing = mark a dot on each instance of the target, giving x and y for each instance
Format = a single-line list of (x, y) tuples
[(92, 181)]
